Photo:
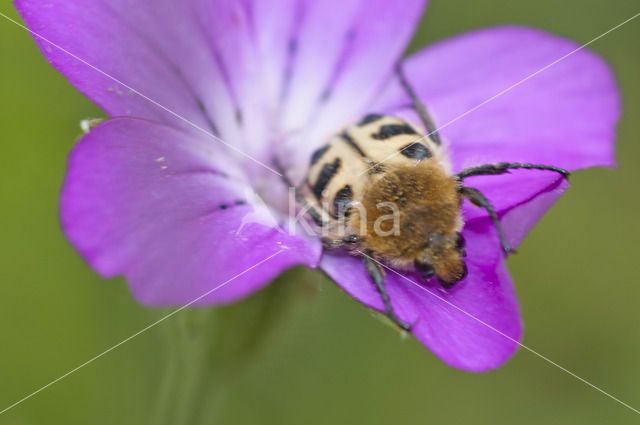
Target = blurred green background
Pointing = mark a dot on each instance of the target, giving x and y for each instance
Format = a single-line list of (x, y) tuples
[(327, 360)]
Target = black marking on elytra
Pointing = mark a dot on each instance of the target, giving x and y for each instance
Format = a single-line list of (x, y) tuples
[(389, 130), (416, 151), (349, 140), (342, 201), (369, 118), (374, 168), (300, 197), (239, 117), (223, 206), (240, 202), (317, 154), (326, 174)]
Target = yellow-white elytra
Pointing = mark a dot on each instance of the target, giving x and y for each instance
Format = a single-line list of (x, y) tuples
[(385, 167), (381, 166)]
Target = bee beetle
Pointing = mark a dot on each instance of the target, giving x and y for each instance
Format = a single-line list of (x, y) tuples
[(384, 168)]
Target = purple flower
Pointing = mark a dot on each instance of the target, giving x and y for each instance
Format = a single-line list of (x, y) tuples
[(150, 197)]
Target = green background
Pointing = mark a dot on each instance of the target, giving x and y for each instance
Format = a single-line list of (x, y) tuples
[(326, 360)]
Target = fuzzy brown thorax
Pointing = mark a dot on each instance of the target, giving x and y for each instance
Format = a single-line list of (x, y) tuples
[(412, 218)]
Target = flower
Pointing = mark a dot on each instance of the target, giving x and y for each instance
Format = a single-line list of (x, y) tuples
[(151, 197)]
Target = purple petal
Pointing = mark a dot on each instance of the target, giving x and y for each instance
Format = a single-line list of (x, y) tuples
[(341, 53), (167, 211), (192, 57), (474, 326), (563, 116), (518, 216), (239, 70)]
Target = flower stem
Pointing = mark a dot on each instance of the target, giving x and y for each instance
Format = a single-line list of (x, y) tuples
[(208, 348)]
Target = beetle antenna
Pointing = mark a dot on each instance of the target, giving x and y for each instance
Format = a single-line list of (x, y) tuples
[(420, 108)]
